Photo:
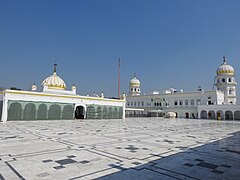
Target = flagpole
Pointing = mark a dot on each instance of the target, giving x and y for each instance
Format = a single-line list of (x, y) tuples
[(119, 78)]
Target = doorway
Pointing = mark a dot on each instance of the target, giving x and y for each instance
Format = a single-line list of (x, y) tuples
[(79, 112)]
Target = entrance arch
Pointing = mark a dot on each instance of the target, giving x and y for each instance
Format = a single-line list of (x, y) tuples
[(104, 113), (42, 112), (220, 115), (67, 112), (15, 111), (99, 113), (203, 114), (237, 115), (79, 112), (187, 115), (29, 112), (228, 115), (211, 115), (54, 112)]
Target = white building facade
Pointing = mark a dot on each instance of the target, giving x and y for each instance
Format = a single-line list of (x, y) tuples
[(55, 102), (215, 104)]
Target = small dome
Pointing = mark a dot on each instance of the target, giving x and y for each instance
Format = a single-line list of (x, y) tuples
[(54, 81), (135, 81), (225, 69)]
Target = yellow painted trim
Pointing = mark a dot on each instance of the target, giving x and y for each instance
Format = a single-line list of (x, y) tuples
[(56, 87), (135, 84), (62, 96)]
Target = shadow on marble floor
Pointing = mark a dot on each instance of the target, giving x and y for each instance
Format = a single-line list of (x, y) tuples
[(219, 159)]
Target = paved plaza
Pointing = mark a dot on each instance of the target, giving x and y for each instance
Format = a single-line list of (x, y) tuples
[(134, 148)]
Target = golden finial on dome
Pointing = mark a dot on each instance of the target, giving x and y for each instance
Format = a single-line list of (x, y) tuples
[(55, 67), (224, 59)]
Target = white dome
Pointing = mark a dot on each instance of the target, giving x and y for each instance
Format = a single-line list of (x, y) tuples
[(225, 69), (135, 82), (54, 82)]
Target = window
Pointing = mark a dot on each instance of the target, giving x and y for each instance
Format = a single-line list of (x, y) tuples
[(180, 102), (229, 80), (131, 103), (138, 103), (230, 91), (142, 103), (135, 103), (209, 97), (223, 80), (135, 89), (186, 102), (175, 103), (160, 104), (128, 103), (192, 102), (199, 102), (148, 104)]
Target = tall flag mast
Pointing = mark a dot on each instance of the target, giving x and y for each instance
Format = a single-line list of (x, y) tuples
[(119, 77)]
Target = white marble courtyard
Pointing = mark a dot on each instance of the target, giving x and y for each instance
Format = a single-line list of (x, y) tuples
[(134, 148)]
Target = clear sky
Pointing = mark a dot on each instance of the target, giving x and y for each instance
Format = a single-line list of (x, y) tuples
[(178, 43)]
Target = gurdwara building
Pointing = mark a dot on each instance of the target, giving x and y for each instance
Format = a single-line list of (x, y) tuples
[(220, 103), (55, 102)]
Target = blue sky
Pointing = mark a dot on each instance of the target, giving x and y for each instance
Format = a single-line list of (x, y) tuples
[(177, 43)]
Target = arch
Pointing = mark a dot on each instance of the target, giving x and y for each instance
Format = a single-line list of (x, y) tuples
[(180, 102), (120, 113), (104, 113), (187, 115), (110, 113), (91, 112), (15, 111), (115, 113), (220, 115), (203, 114), (192, 102), (67, 112), (229, 115), (79, 112), (237, 115), (211, 115), (1, 106), (198, 101), (99, 112), (54, 112), (42, 112), (193, 116), (29, 112)]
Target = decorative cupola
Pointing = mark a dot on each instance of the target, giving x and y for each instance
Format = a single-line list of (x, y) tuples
[(34, 87), (54, 81), (123, 97), (225, 82), (134, 86), (74, 89)]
